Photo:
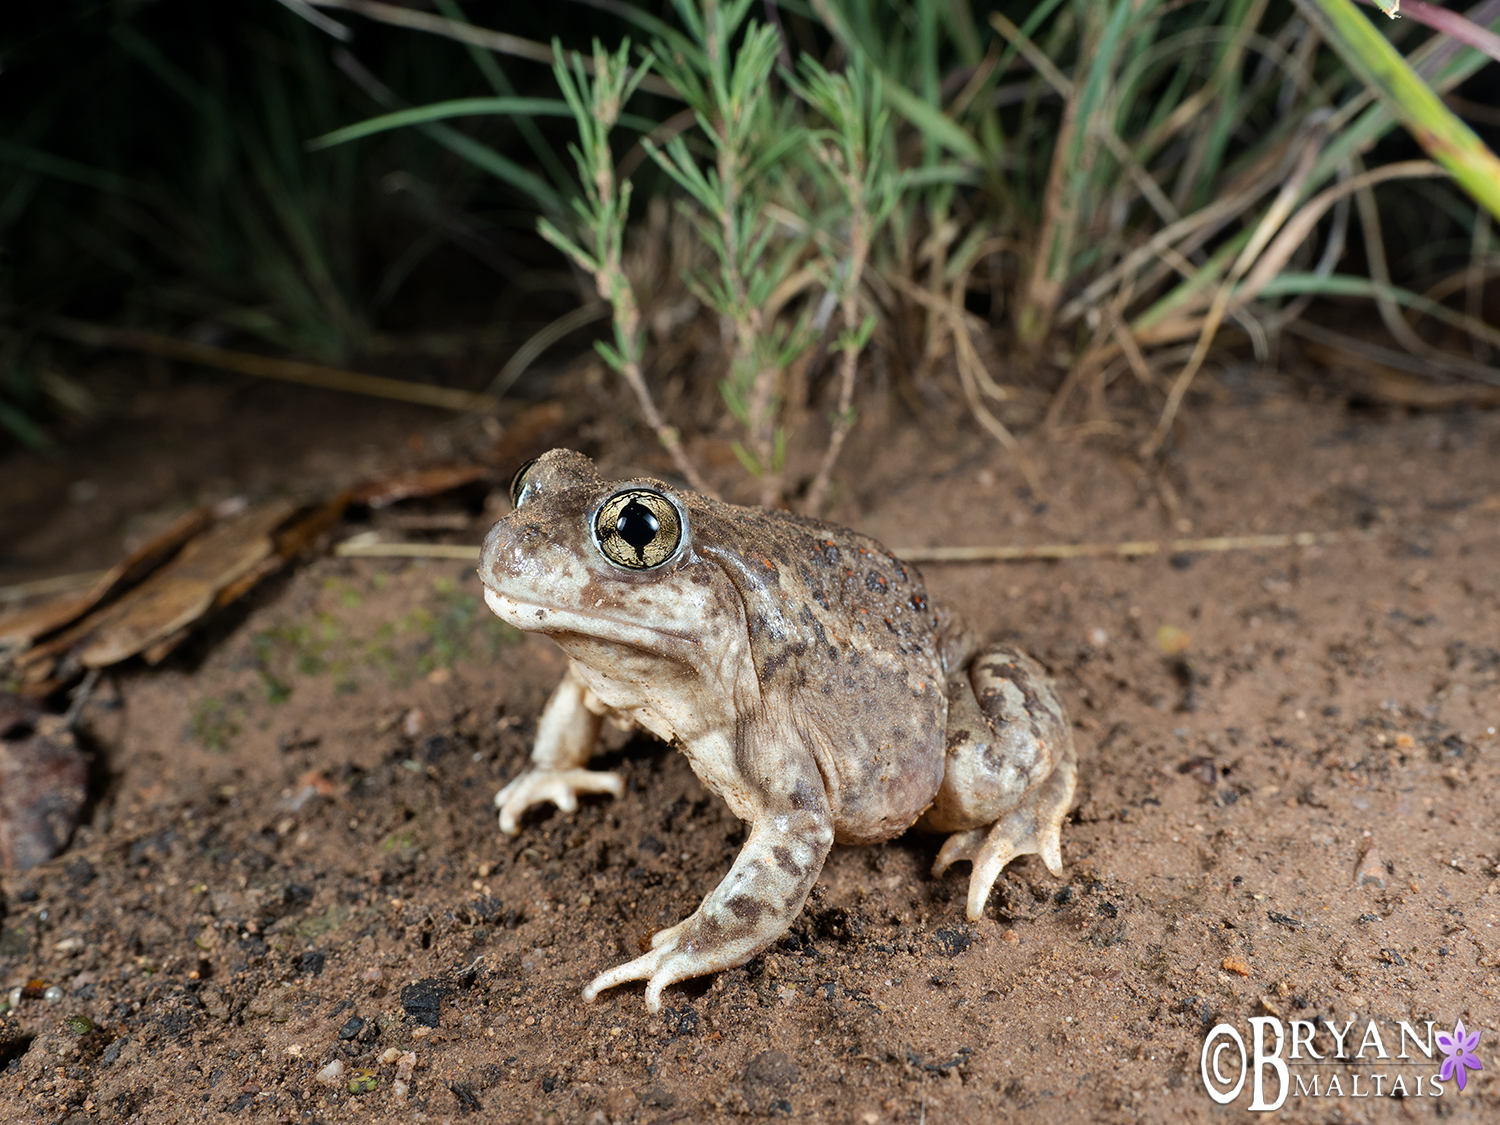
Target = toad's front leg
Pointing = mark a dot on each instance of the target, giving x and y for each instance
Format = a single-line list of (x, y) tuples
[(565, 740), (751, 908)]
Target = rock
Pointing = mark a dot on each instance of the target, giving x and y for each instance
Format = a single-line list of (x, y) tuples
[(1370, 870), (43, 784)]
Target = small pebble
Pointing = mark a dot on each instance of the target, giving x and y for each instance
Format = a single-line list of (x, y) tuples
[(1371, 872), (332, 1074), (389, 1056), (53, 995)]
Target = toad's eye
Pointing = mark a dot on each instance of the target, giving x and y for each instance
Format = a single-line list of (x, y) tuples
[(518, 483), (638, 529)]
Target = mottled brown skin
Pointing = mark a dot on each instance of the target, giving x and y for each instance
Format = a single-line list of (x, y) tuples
[(807, 676)]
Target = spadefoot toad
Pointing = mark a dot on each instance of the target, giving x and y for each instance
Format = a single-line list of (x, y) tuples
[(803, 671)]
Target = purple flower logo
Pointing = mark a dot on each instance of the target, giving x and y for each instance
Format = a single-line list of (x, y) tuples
[(1458, 1050)]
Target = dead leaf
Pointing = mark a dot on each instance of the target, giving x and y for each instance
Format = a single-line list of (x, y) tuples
[(43, 784), (174, 596), (25, 627), (184, 589), (419, 483), (530, 433), (303, 534)]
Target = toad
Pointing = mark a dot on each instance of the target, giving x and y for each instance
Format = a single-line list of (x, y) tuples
[(802, 669)]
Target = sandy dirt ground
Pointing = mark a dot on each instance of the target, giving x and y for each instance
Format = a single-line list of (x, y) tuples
[(290, 902)]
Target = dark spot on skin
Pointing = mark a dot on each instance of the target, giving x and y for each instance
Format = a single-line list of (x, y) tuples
[(785, 862), (997, 764), (919, 602), (1039, 713), (817, 628), (803, 797), (874, 581), (746, 909)]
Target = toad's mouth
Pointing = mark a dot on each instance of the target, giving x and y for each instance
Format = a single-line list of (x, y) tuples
[(531, 617)]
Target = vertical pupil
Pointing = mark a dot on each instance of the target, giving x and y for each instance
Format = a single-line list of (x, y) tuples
[(637, 526)]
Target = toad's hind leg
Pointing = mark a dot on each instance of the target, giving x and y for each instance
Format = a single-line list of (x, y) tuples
[(1010, 772)]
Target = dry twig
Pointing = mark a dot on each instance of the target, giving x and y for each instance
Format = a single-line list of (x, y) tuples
[(268, 367), (1128, 549)]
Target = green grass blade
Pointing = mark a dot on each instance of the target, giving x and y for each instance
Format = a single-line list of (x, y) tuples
[(439, 111), (1348, 285), (501, 167), (488, 66), (1439, 131), (34, 160)]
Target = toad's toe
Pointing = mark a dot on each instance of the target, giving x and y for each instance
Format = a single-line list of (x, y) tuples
[(1034, 827), (560, 787)]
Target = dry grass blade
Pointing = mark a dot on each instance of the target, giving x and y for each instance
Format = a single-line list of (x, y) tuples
[(497, 41), (967, 320), (1299, 227), (1265, 230), (268, 367), (531, 350), (1133, 354), (679, 122), (1343, 348), (1395, 383), (1186, 234), (360, 548), (968, 364), (1129, 548)]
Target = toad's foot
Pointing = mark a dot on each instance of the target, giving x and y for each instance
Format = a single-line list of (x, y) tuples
[(676, 956), (561, 787), (1034, 827), (750, 909)]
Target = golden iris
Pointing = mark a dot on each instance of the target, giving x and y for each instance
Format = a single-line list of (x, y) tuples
[(638, 529)]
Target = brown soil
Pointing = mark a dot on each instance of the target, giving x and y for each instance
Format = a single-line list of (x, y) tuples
[(292, 859)]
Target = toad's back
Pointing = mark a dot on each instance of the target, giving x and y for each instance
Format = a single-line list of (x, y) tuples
[(846, 642)]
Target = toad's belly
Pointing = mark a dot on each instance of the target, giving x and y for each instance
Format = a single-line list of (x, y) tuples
[(884, 785)]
